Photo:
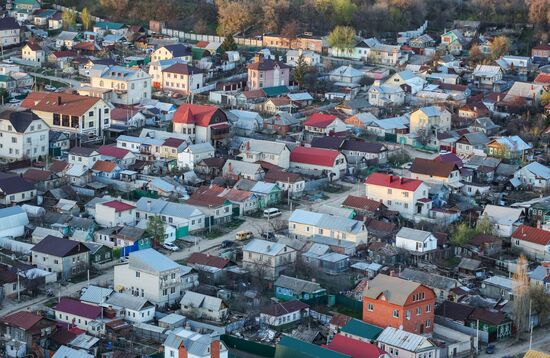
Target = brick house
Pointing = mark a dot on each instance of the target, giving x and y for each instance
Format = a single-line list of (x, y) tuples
[(394, 302)]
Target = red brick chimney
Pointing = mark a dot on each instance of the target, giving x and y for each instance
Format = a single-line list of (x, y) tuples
[(182, 351), (215, 348)]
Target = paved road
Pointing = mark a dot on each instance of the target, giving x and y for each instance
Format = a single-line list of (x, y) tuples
[(71, 83), (541, 342)]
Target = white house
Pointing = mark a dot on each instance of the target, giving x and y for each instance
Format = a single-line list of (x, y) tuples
[(181, 77), (430, 118), (504, 219), (203, 306), (534, 175), (311, 58), (487, 75), (131, 308), (282, 313), (436, 171), (150, 274), (34, 53), (346, 74), (13, 220), (184, 343), (241, 169), (324, 124), (174, 51), (267, 259), (130, 86), (115, 213), (415, 240), (399, 343), (65, 257), (407, 196), (24, 135), (10, 31), (318, 161), (66, 39), (253, 150), (193, 155), (75, 313), (408, 79), (533, 242), (382, 96)]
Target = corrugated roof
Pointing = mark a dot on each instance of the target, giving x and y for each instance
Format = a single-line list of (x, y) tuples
[(393, 181), (297, 285), (532, 234), (152, 261), (265, 247), (314, 156), (77, 308), (362, 329), (59, 247), (402, 339), (95, 294)]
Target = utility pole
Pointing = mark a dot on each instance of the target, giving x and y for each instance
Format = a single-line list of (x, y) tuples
[(18, 285)]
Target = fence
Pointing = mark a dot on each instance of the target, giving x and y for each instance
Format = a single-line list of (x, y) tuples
[(244, 345), (321, 317), (350, 303), (483, 336), (182, 35)]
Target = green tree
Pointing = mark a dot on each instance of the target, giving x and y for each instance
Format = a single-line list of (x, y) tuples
[(300, 69), (343, 11), (228, 44), (155, 229), (462, 234), (545, 98), (484, 226), (86, 19), (342, 37), (69, 18)]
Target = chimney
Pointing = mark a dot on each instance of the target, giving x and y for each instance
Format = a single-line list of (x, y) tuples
[(215, 349), (401, 180), (59, 100), (148, 205), (367, 285)]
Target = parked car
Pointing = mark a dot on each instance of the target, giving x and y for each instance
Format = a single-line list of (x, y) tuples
[(349, 179), (170, 246), (490, 349), (271, 213), (227, 243)]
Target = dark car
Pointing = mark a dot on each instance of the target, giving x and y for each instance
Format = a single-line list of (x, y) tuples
[(227, 243), (490, 349), (349, 179), (268, 236)]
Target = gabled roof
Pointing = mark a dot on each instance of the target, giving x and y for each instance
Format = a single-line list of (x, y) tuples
[(9, 23), (402, 339), (395, 290), (320, 120), (393, 181), (327, 142), (297, 285), (354, 348), (275, 175), (119, 206), (314, 156), (22, 319), (62, 103), (433, 167), (453, 310), (362, 329), (414, 234), (20, 120), (199, 258), (104, 166), (267, 65), (14, 184), (112, 151), (265, 247), (284, 308), (539, 170), (532, 234), (362, 203), (59, 247), (199, 300), (183, 69), (77, 308), (198, 114), (179, 50), (83, 151)]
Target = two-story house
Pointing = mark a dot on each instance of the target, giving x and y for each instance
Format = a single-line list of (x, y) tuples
[(534, 176), (10, 32), (129, 86), (65, 257), (71, 113), (254, 150), (533, 242), (267, 259), (394, 302), (25, 136), (511, 147), (435, 171), (182, 78), (194, 154), (430, 119), (407, 196), (24, 330), (114, 213), (33, 52), (201, 123), (292, 183), (303, 223), (152, 275), (487, 75), (267, 73), (173, 51)]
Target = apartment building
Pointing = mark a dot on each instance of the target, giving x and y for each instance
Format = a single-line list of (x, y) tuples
[(152, 275), (24, 135)]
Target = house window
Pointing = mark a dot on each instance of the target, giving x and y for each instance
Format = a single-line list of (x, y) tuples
[(428, 308), (389, 191), (370, 307), (138, 274), (428, 323), (408, 314), (396, 313), (418, 311)]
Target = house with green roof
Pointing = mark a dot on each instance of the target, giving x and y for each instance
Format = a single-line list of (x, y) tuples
[(7, 82), (290, 288), (360, 330), (276, 91), (291, 347), (107, 27), (26, 5)]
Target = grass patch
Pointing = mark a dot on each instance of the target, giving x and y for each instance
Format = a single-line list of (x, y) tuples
[(233, 224), (45, 81), (214, 234)]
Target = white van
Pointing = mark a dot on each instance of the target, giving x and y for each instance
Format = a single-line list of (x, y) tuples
[(271, 213)]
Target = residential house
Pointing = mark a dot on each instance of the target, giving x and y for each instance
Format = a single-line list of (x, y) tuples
[(360, 331), (346, 74), (267, 259), (311, 58), (254, 150), (86, 157), (388, 127), (267, 73), (541, 51), (441, 285), (181, 78), (512, 147), (360, 120), (105, 27), (402, 343), (211, 268), (122, 157), (504, 219), (10, 32), (324, 125), (386, 96), (354, 348), (284, 313), (201, 123), (173, 51), (245, 123), (454, 41), (130, 86), (65, 257), (282, 123), (436, 172), (184, 218), (130, 308), (472, 144), (65, 351), (217, 210), (363, 205), (533, 242), (486, 245), (194, 154), (303, 224), (317, 161), (400, 304), (66, 40), (290, 288), (497, 287), (33, 52), (292, 183), (243, 169), (533, 176), (79, 314), (487, 75), (416, 241), (430, 119), (268, 194), (15, 189), (114, 213), (406, 80), (26, 133), (526, 92), (150, 274), (84, 116), (389, 55), (105, 169), (198, 305), (407, 196), (184, 343), (23, 331)]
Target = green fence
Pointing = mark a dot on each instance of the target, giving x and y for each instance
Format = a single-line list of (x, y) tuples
[(139, 193), (350, 303), (244, 345), (316, 301)]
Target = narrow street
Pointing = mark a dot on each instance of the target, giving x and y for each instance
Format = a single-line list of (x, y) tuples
[(71, 83)]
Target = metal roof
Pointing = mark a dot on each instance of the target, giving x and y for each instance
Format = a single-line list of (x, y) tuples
[(265, 247), (413, 234), (96, 294), (152, 261), (404, 340)]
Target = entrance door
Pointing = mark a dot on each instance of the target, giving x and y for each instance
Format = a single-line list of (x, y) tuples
[(421, 329)]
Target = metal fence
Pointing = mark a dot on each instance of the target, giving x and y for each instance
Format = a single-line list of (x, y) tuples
[(245, 345)]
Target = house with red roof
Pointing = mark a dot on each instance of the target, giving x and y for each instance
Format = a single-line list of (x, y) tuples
[(542, 50), (24, 329), (318, 162), (355, 348), (115, 212), (532, 241), (201, 123), (123, 157), (320, 124), (106, 169), (79, 314), (407, 196)]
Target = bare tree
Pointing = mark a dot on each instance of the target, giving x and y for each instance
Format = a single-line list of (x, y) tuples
[(520, 288)]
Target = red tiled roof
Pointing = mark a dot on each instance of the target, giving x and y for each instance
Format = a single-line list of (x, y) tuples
[(58, 166), (22, 319), (173, 142), (104, 166), (314, 156), (67, 53), (542, 78), (119, 205), (354, 347), (87, 46), (320, 120), (532, 234), (112, 151), (542, 46), (36, 175), (78, 308), (393, 181), (198, 114), (62, 103), (363, 203), (199, 258)]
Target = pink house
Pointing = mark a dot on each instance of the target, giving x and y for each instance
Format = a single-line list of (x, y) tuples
[(267, 73)]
